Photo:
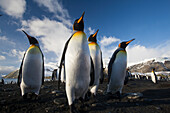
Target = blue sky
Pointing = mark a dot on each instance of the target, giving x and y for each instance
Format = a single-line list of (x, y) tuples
[(50, 21)]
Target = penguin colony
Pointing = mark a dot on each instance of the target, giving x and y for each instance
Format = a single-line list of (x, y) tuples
[(81, 67)]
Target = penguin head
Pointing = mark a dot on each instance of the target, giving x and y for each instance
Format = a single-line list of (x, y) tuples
[(92, 37), (124, 44), (32, 40), (79, 24), (153, 69)]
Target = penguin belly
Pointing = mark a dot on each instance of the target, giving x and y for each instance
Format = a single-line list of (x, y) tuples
[(118, 73), (77, 67), (32, 71), (63, 78), (95, 54), (153, 77)]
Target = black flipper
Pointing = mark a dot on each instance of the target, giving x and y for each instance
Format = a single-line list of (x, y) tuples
[(43, 68), (20, 72), (62, 60), (92, 73), (101, 75), (110, 64)]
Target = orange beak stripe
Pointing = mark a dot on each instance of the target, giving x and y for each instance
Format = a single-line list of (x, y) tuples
[(129, 41), (81, 18), (95, 33)]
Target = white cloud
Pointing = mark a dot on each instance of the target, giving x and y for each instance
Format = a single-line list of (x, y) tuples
[(54, 6), (7, 69), (135, 53), (91, 31), (108, 40), (139, 53), (14, 8), (2, 57), (15, 53), (53, 34), (4, 39)]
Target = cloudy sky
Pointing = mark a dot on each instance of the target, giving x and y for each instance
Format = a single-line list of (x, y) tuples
[(50, 21)]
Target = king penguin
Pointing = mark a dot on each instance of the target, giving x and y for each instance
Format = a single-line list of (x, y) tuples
[(117, 69), (96, 55), (77, 62), (31, 72), (154, 76)]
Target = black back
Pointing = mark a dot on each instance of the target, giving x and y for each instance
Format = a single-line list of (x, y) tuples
[(63, 61), (111, 63)]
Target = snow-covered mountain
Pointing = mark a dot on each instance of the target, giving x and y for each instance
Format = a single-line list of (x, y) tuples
[(160, 64)]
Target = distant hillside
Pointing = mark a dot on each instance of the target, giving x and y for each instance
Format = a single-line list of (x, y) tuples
[(160, 64), (13, 74)]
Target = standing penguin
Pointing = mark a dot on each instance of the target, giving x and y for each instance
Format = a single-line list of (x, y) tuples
[(96, 56), (77, 62), (117, 69), (154, 76), (31, 72)]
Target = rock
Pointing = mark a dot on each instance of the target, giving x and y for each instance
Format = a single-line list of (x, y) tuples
[(134, 95), (56, 91), (96, 104), (100, 90), (47, 109), (53, 92), (62, 105), (56, 102), (158, 108)]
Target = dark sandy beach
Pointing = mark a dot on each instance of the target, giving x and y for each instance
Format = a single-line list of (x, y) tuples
[(156, 99)]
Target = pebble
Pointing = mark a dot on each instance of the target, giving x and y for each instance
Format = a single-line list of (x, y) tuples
[(62, 105), (56, 91), (100, 90), (47, 109), (158, 108), (56, 102), (96, 104)]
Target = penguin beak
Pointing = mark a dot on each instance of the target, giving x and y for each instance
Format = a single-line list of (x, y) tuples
[(29, 37), (129, 41), (81, 18), (95, 33)]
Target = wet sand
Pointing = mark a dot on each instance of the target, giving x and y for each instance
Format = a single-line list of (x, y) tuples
[(156, 99)]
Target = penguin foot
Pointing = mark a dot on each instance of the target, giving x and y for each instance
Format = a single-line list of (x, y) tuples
[(109, 95), (73, 108), (25, 96), (88, 95), (118, 95), (34, 96), (93, 95)]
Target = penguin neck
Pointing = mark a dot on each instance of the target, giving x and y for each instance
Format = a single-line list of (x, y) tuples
[(122, 48), (35, 45), (92, 42), (74, 31)]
